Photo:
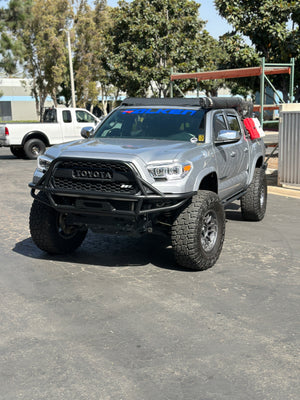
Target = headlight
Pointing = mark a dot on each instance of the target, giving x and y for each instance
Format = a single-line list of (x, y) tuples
[(43, 163), (169, 171)]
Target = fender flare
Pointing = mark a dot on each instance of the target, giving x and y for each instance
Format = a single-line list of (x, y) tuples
[(254, 165), (202, 175), (36, 135)]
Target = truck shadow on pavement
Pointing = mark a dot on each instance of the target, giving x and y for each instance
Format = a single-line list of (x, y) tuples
[(8, 157), (118, 251), (110, 251), (233, 212)]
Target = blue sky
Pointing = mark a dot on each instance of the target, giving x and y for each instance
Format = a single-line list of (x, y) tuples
[(216, 25)]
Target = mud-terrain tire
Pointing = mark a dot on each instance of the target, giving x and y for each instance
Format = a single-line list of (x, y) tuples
[(198, 232), (17, 151), (254, 202), (34, 148), (49, 232)]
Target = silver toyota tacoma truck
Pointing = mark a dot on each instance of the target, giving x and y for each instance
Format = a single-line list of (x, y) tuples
[(152, 166)]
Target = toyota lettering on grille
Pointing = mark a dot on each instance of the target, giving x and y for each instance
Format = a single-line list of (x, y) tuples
[(92, 174)]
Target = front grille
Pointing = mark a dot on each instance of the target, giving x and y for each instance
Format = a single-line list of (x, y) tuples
[(122, 178), (88, 186), (100, 164)]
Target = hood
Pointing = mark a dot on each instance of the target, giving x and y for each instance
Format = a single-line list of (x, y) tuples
[(127, 149)]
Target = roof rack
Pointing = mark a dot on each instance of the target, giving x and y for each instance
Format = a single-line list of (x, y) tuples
[(166, 101), (244, 108)]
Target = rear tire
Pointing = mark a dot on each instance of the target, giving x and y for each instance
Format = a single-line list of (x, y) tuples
[(198, 232), (49, 232), (34, 148), (17, 151), (254, 202)]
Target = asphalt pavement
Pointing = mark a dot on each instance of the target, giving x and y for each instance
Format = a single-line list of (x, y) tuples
[(119, 320)]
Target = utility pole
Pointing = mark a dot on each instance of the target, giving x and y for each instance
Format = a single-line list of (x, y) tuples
[(71, 68)]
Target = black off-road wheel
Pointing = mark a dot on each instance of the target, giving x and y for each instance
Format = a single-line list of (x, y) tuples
[(17, 151), (198, 232), (49, 230), (34, 148), (254, 202)]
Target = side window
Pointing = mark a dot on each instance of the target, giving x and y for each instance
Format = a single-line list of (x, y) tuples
[(202, 126), (67, 117), (233, 123), (50, 115), (83, 116), (219, 124)]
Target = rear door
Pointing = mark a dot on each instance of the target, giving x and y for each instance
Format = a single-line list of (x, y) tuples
[(241, 150)]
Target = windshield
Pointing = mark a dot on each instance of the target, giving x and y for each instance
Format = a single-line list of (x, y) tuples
[(154, 123)]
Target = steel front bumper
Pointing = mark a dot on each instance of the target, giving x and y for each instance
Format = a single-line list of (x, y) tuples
[(76, 198)]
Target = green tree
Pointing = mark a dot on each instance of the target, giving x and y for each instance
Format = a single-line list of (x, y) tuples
[(11, 49), (84, 60), (148, 37), (271, 25), (238, 54), (103, 21), (36, 31), (45, 43), (91, 27)]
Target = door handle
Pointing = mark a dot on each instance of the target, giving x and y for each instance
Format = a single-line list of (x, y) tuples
[(246, 150), (233, 154)]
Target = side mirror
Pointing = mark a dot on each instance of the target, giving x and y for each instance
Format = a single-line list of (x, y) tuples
[(225, 136), (87, 132)]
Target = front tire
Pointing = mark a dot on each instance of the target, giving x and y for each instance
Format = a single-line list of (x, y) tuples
[(34, 148), (198, 232), (254, 202), (49, 231)]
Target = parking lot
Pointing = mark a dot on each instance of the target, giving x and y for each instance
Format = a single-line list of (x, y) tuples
[(118, 320)]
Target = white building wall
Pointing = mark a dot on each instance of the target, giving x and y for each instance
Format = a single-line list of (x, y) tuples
[(17, 91)]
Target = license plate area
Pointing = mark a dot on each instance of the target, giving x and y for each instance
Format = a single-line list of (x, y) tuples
[(93, 205)]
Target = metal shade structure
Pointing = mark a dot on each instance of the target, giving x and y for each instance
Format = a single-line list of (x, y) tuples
[(232, 73), (262, 71)]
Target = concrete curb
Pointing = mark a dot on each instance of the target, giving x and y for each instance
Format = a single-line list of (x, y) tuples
[(284, 191)]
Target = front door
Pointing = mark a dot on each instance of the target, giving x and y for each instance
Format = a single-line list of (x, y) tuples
[(83, 119), (72, 124), (232, 158)]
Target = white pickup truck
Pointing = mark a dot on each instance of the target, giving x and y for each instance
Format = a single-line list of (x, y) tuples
[(59, 125)]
